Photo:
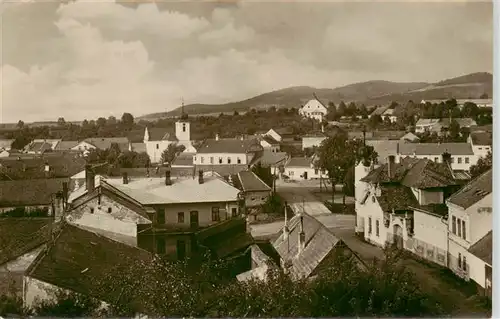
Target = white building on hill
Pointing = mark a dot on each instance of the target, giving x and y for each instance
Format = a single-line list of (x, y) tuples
[(314, 109)]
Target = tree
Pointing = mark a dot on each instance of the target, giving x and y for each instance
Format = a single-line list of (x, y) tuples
[(101, 122), (483, 165), (470, 110), (20, 142), (61, 121), (171, 152), (352, 109), (332, 112), (333, 158), (341, 109), (454, 130), (375, 120), (127, 119), (111, 120), (363, 111), (66, 304), (264, 173), (20, 124)]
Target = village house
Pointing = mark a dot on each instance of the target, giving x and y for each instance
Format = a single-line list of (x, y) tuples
[(227, 156), (305, 248), (254, 191), (388, 195), (66, 146), (378, 135), (164, 215), (50, 165), (274, 160), (314, 109), (481, 143), (462, 154), (73, 262), (29, 196), (301, 168), (40, 146), (379, 111), (281, 134), (100, 143), (470, 231), (21, 241), (389, 115), (6, 144), (435, 125), (270, 144), (384, 149)]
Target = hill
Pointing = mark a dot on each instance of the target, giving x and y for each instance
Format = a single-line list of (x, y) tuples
[(369, 93)]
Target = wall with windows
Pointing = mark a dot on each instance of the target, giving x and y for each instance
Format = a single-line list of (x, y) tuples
[(374, 229), (430, 239), (220, 159), (256, 198), (297, 173), (458, 162), (182, 215), (155, 149), (108, 218)]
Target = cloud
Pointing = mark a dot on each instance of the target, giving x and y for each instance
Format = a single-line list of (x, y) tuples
[(89, 59)]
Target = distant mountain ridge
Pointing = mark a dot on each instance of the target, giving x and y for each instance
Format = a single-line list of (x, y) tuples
[(370, 93)]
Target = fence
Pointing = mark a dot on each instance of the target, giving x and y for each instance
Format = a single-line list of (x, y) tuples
[(421, 249)]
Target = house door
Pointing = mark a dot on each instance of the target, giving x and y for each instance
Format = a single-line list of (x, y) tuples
[(181, 250), (398, 236), (305, 175), (193, 219)]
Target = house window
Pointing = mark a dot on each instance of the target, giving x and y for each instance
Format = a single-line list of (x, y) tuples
[(211, 159), (238, 160), (463, 230), (373, 199), (466, 160), (454, 225), (315, 171), (459, 160), (160, 216), (91, 210), (220, 160), (160, 245), (215, 214), (459, 228), (369, 225), (202, 159), (234, 211), (480, 148), (452, 160), (229, 160), (464, 263), (157, 146), (290, 173), (425, 157), (377, 230), (436, 159), (180, 217), (110, 210), (184, 127)]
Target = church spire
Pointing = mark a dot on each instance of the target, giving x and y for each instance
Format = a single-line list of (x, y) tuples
[(184, 116)]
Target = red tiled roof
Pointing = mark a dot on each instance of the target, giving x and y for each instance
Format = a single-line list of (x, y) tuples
[(483, 249), (230, 146), (30, 192), (473, 191), (251, 182)]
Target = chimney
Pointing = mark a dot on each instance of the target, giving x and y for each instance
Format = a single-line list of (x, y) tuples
[(65, 192), (89, 178), (302, 235), (217, 136), (58, 207), (168, 180), (446, 157), (200, 176), (125, 178), (390, 166), (286, 231)]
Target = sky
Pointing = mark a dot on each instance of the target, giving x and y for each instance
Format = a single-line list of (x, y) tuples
[(87, 59)]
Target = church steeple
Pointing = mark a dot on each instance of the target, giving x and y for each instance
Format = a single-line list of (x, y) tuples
[(184, 116)]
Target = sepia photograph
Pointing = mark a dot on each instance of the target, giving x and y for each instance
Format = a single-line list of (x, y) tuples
[(242, 158)]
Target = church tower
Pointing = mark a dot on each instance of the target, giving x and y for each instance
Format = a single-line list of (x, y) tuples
[(182, 127)]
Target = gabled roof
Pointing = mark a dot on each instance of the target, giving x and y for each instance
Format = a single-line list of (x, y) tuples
[(482, 138), (462, 121), (19, 236), (412, 172), (229, 146), (104, 143), (380, 110), (435, 149), (483, 249), (314, 104), (139, 147), (473, 191), (299, 162), (269, 139), (384, 148), (30, 192), (269, 158), (410, 137), (162, 134), (251, 182), (150, 191), (283, 130), (66, 145), (87, 263), (427, 122), (396, 197), (319, 243)]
